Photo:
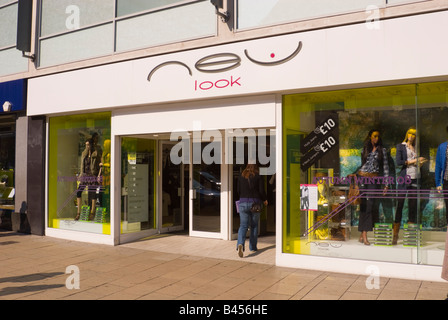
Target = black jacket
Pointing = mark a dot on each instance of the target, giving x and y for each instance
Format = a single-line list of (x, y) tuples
[(253, 190)]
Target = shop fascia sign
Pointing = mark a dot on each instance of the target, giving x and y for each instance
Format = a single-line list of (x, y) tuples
[(219, 63)]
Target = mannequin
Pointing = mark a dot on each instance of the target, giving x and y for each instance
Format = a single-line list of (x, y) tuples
[(441, 172), (90, 168), (373, 163), (407, 158)]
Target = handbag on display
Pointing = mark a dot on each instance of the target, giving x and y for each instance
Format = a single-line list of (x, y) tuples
[(353, 192)]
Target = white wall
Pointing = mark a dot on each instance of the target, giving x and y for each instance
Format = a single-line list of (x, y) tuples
[(235, 113), (401, 49)]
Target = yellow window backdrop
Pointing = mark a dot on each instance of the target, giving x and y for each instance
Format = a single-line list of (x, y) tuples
[(75, 203), (307, 157)]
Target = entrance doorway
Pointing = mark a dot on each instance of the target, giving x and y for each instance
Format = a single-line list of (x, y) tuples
[(160, 194), (251, 145)]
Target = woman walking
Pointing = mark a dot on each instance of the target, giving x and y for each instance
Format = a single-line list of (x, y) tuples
[(251, 191)]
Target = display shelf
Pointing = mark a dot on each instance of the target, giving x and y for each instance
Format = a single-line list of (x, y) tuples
[(85, 212), (412, 235), (383, 234), (100, 215), (339, 224), (331, 201)]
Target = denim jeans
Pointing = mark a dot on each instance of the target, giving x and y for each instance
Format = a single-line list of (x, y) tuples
[(248, 220)]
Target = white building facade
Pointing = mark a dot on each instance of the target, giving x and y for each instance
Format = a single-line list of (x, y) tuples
[(180, 110)]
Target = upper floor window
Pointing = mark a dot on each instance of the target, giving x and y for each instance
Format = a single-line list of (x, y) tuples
[(11, 60), (73, 30), (259, 13), (126, 7), (62, 16)]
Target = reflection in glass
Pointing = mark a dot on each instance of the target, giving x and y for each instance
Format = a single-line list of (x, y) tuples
[(207, 193), (172, 189)]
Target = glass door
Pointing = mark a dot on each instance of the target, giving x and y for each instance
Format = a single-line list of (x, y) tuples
[(256, 145), (138, 185), (172, 195), (206, 191)]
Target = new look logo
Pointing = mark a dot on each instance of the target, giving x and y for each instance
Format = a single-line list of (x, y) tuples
[(222, 62)]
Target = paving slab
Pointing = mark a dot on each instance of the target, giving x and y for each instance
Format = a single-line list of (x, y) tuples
[(178, 267)]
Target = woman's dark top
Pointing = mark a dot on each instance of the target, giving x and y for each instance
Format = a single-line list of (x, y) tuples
[(254, 190)]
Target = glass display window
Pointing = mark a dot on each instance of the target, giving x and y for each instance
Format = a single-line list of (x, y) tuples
[(7, 170), (79, 173), (138, 184), (371, 163)]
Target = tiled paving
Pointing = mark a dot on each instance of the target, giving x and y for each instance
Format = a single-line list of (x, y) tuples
[(177, 267), (210, 248)]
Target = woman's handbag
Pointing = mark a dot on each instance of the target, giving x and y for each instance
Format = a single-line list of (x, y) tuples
[(257, 207)]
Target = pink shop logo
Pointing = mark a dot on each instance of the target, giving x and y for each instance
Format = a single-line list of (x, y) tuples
[(222, 62), (219, 84)]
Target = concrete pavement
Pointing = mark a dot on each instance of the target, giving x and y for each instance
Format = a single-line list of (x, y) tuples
[(177, 267)]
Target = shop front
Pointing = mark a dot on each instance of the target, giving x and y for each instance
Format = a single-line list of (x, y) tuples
[(367, 160), (149, 173), (193, 155), (172, 132), (13, 105)]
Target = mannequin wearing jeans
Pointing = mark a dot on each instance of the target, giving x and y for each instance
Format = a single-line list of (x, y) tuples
[(250, 190), (407, 158), (373, 163)]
